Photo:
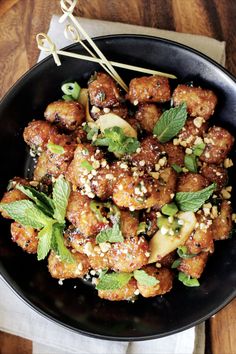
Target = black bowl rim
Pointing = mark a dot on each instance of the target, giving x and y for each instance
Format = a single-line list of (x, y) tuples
[(47, 316)]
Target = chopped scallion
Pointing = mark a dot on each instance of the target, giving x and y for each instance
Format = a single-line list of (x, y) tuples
[(169, 209), (71, 89)]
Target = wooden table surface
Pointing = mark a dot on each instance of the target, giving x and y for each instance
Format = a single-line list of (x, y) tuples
[(21, 20)]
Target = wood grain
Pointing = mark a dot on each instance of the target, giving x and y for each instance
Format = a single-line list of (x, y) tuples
[(14, 62), (223, 330), (6, 5), (23, 19), (10, 344)]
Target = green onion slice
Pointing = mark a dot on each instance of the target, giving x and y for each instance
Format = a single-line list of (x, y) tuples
[(71, 89)]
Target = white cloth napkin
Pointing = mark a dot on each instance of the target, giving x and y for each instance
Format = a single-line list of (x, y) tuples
[(49, 338)]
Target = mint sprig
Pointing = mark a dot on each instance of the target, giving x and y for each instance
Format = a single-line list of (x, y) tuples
[(190, 162), (57, 244), (111, 234), (61, 192), (192, 201), (145, 279), (26, 213), (41, 199), (116, 141), (45, 214), (45, 241), (170, 123), (113, 281)]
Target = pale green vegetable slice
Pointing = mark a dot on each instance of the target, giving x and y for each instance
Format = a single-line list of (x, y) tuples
[(161, 245)]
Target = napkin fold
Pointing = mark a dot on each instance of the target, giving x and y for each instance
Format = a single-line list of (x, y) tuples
[(206, 45), (49, 338)]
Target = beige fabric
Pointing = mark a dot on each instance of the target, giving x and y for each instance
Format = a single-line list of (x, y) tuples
[(209, 46)]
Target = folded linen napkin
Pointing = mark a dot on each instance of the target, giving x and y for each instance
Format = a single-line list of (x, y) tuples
[(49, 338)]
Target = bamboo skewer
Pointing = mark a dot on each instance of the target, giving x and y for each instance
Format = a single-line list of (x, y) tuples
[(68, 12), (45, 44), (71, 32)]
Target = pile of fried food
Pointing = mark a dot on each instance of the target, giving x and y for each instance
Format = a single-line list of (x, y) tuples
[(128, 190)]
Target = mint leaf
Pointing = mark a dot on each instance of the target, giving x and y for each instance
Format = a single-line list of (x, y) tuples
[(45, 239), (145, 279), (116, 141), (192, 201), (170, 123), (60, 193), (58, 245), (26, 213), (187, 280), (112, 234), (190, 162), (113, 281), (55, 149), (176, 167), (41, 199)]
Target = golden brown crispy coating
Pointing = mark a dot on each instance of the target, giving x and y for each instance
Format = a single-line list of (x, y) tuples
[(175, 154), (124, 293), (219, 142), (191, 131), (128, 223), (223, 224), (215, 173), (103, 91), (201, 238), (81, 216), (150, 218), (168, 181), (149, 89), (121, 110), (65, 114), (194, 266), (73, 239), (191, 182), (79, 135), (41, 170), (200, 102), (149, 154), (106, 178), (144, 192), (168, 260), (53, 164), (64, 270), (124, 256), (25, 236), (147, 115), (84, 153), (129, 255), (165, 277), (38, 133)]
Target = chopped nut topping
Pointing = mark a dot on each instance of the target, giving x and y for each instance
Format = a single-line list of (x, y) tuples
[(228, 163), (198, 121)]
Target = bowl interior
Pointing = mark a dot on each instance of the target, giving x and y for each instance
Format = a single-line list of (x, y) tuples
[(75, 304)]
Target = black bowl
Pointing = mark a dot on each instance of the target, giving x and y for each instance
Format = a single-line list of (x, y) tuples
[(79, 308)]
